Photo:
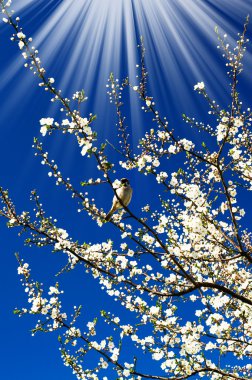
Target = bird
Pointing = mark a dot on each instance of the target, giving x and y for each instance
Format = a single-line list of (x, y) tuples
[(124, 193)]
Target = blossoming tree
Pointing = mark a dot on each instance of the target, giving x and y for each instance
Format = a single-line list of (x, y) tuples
[(193, 253)]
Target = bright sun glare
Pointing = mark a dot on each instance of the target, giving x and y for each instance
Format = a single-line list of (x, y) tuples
[(85, 40)]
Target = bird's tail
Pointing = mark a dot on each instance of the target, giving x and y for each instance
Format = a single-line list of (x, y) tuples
[(109, 214)]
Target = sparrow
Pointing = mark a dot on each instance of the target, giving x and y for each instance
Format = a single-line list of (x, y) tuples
[(124, 192)]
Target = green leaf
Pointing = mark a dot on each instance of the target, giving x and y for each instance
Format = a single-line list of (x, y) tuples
[(93, 117)]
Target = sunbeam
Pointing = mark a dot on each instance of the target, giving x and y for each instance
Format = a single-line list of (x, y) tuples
[(82, 41)]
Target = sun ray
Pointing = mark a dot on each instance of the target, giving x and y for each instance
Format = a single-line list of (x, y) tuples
[(82, 41)]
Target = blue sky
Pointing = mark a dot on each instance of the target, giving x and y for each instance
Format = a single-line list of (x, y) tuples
[(80, 43)]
